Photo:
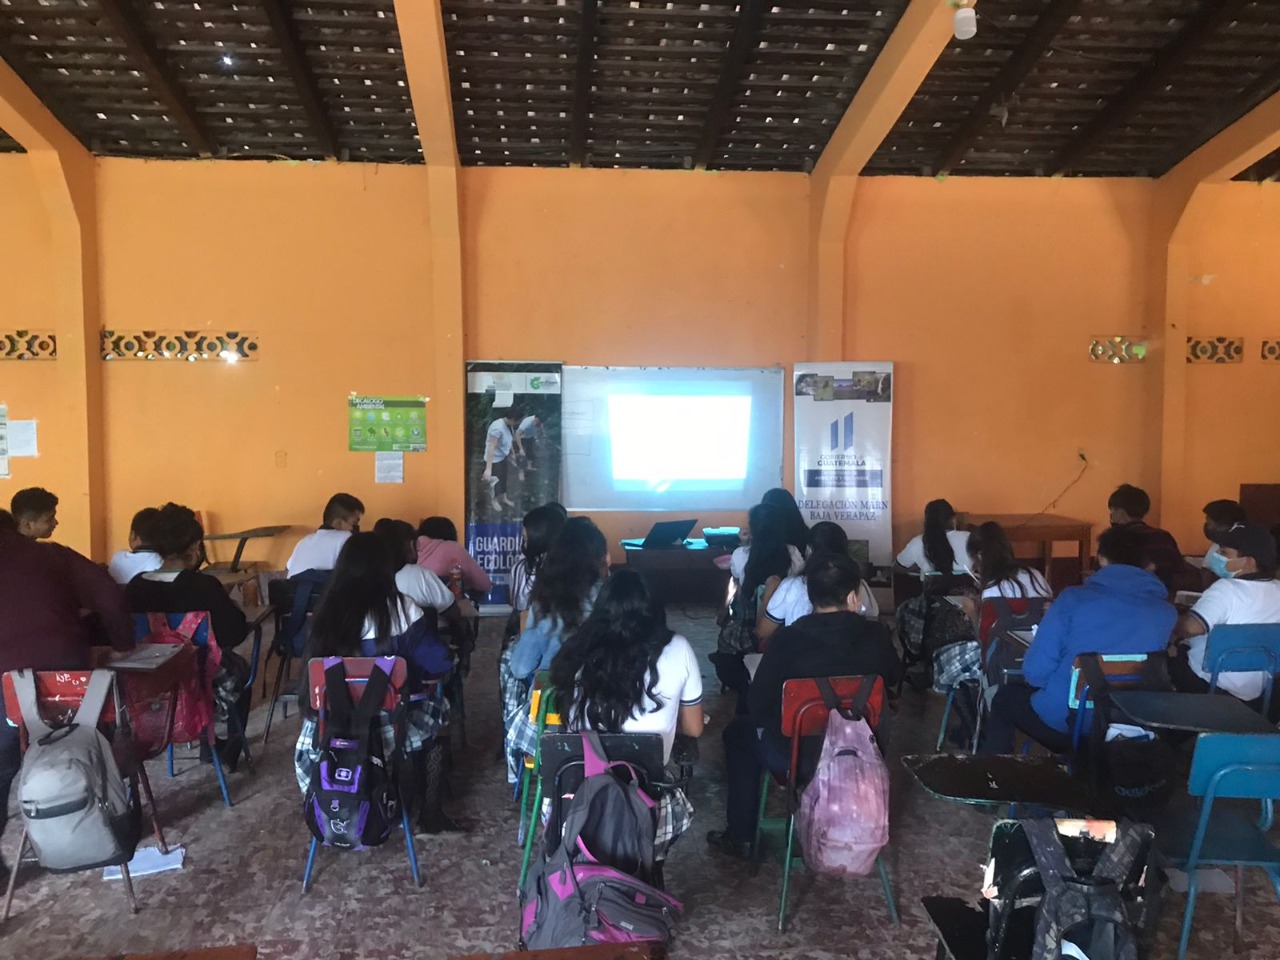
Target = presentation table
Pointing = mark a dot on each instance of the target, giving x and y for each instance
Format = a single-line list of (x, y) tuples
[(1046, 529), (687, 574), (244, 536)]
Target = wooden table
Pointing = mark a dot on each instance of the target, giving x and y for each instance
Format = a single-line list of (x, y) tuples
[(1045, 529), (682, 574), (244, 536)]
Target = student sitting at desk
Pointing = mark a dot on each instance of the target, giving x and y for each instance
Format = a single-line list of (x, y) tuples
[(941, 548), (1219, 517), (141, 557), (833, 641), (999, 574), (539, 530), (178, 586), (1123, 608), (1129, 506), (439, 551), (36, 511), (44, 589), (792, 519), (319, 550), (421, 585), (623, 671), (364, 614), (1246, 592), (766, 527), (786, 600)]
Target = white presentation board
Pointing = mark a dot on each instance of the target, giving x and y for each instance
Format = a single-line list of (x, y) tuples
[(686, 439)]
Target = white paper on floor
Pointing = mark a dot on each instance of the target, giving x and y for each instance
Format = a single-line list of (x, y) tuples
[(148, 860), (1212, 880)]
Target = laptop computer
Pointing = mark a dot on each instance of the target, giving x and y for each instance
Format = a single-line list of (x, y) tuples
[(664, 534)]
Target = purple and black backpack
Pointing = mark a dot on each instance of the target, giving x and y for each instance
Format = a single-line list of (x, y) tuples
[(352, 801)]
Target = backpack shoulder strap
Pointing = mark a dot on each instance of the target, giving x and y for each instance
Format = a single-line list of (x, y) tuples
[(190, 624), (1046, 847), (335, 687), (375, 691), (858, 710), (1117, 860), (24, 684), (594, 761), (95, 698)]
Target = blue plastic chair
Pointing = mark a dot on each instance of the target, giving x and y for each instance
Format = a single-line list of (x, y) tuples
[(1122, 669), (1244, 647), (1226, 766), (199, 639)]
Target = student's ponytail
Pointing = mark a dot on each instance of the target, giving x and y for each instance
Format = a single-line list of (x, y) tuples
[(938, 518)]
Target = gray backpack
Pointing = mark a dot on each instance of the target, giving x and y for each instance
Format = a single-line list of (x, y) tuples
[(1083, 916), (76, 807)]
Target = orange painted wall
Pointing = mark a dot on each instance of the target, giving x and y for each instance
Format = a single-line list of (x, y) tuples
[(635, 268), (986, 293), (1231, 436), (27, 281), (329, 265)]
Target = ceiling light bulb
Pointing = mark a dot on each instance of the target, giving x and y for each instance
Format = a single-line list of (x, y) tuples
[(228, 61), (965, 23)]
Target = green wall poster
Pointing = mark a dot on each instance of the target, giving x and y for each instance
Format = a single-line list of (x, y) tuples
[(387, 424)]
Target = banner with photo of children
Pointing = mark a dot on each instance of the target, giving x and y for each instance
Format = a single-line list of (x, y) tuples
[(843, 430), (513, 458)]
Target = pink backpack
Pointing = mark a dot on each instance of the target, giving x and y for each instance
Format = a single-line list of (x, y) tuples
[(843, 820), (193, 715)]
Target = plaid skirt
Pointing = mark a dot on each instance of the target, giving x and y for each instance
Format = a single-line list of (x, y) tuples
[(424, 719)]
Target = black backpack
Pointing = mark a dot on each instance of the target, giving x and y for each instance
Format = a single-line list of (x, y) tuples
[(352, 801), (1087, 912)]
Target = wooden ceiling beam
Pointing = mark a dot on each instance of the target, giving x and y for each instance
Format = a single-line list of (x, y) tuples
[(582, 81), (124, 22), (1020, 63), (746, 34), (290, 44), (1193, 34)]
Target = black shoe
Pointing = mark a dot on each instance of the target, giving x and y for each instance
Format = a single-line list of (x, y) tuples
[(437, 823), (722, 841)]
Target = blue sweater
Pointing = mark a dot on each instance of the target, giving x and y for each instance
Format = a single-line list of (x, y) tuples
[(1120, 609)]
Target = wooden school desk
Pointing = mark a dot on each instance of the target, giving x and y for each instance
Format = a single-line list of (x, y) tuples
[(1045, 529), (682, 574)]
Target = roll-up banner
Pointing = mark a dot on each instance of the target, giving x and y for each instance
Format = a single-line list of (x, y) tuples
[(843, 430), (513, 459)]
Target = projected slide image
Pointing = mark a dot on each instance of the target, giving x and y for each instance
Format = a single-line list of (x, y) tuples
[(662, 442)]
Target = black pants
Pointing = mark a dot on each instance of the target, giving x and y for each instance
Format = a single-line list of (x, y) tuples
[(500, 471), (1183, 678), (10, 763), (1011, 711), (746, 757), (530, 452)]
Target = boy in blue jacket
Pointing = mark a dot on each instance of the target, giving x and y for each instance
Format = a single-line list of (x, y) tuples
[(1123, 608)]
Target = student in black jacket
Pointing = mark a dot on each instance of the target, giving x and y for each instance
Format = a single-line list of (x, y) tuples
[(179, 587), (833, 641)]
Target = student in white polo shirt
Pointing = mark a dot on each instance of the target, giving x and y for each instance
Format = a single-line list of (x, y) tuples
[(786, 600), (1246, 592), (319, 550), (1219, 517), (498, 448)]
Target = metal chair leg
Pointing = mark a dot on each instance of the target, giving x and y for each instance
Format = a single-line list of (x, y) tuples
[(236, 728), (222, 777), (311, 862), (13, 875), (1192, 883), (534, 816), (408, 845), (786, 873), (888, 891), (275, 696), (128, 887), (1239, 944), (523, 789), (151, 802), (171, 761), (946, 717)]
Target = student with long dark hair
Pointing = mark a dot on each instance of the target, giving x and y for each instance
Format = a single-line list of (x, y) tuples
[(623, 671), (560, 602), (765, 537), (541, 527), (997, 570), (940, 548), (786, 600), (792, 519), (364, 614)]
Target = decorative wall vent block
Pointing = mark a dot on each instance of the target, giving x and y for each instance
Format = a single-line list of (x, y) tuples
[(1270, 351), (28, 345), (1117, 349), (190, 345), (1215, 349)]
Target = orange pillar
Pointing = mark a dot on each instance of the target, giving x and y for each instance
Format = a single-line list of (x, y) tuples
[(65, 173)]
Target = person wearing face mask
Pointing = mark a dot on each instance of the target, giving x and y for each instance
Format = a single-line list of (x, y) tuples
[(1219, 517), (1246, 592)]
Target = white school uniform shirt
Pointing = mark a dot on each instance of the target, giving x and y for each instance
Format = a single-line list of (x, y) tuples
[(679, 685), (403, 615), (912, 554), (317, 551), (738, 562), (790, 601), (521, 584), (424, 588), (1234, 601), (127, 564), (1032, 582), (498, 430), (528, 428)]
